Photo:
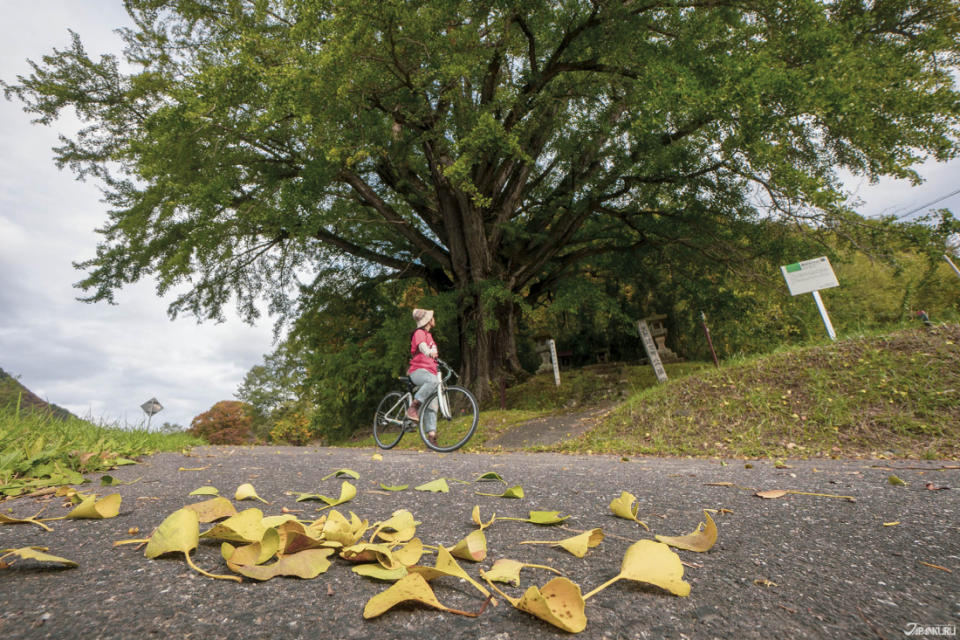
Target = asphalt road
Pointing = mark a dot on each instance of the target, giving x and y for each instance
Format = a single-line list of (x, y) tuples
[(799, 566)]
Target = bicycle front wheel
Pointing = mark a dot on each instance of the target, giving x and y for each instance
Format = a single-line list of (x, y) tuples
[(455, 429), (388, 420)]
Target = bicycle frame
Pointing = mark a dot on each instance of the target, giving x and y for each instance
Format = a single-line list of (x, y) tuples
[(400, 404)]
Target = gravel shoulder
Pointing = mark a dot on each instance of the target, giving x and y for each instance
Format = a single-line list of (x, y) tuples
[(799, 566)]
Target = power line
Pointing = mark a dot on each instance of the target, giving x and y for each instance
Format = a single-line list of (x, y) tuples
[(912, 211)]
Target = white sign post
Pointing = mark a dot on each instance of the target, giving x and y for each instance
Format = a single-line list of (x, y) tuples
[(554, 361), (810, 276), (953, 266), (151, 407), (651, 348)]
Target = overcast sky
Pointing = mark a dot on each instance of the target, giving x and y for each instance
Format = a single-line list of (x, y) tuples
[(104, 361)]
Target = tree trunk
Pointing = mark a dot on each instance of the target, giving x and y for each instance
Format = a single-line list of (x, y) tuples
[(488, 346)]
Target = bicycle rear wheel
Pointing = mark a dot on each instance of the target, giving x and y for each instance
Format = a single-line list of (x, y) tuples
[(388, 420), (455, 429)]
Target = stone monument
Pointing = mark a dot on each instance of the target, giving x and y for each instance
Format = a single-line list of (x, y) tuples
[(659, 332)]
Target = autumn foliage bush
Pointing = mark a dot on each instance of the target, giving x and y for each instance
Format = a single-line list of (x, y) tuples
[(227, 422), (292, 428)]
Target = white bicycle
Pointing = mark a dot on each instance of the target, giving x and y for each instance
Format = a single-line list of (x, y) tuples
[(457, 414)]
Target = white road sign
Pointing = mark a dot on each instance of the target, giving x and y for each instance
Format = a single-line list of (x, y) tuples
[(809, 275), (152, 406)]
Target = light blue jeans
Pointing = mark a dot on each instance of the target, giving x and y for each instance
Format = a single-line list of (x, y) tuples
[(428, 386)]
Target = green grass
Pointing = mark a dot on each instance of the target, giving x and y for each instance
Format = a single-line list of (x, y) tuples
[(37, 450), (886, 394)]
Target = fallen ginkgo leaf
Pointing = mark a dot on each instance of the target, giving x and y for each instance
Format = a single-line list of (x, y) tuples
[(507, 570), (653, 563), (447, 566), (93, 509), (540, 517), (771, 494), (337, 528), (701, 540), (395, 487), (214, 509), (411, 587), (306, 564), (472, 548), (626, 506), (578, 545), (490, 475), (5, 519), (378, 572), (246, 526), (436, 486), (400, 527), (475, 515), (513, 492), (205, 490), (179, 533), (33, 553), (340, 473), (247, 492), (558, 602)]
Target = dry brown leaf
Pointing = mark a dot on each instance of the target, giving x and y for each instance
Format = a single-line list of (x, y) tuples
[(770, 494)]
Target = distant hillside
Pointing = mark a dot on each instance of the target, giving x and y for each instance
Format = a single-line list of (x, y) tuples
[(11, 390)]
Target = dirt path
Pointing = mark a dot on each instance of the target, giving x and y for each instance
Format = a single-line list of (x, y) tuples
[(547, 430), (800, 566)]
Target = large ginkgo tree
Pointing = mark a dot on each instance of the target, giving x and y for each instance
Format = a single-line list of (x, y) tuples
[(255, 149)]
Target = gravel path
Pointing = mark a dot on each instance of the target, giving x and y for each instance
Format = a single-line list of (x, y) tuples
[(799, 566)]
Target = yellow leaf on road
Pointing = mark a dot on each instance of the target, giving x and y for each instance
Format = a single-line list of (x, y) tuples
[(578, 545), (472, 548), (475, 515), (771, 494), (94, 509), (412, 587), (247, 492), (436, 486), (307, 564), (34, 553), (653, 563), (246, 526), (205, 490), (507, 570), (701, 540), (447, 566), (626, 507), (558, 602), (213, 509)]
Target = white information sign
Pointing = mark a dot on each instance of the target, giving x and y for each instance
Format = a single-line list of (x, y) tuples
[(651, 348), (809, 275)]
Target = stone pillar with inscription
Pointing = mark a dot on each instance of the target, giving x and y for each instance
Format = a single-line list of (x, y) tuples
[(659, 332)]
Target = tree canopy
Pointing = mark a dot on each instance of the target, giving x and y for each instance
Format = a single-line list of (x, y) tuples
[(261, 148)]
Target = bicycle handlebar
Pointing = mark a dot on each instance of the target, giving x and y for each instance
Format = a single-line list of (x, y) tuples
[(450, 370)]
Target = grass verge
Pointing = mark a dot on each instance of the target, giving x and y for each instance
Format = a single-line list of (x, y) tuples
[(892, 395), (37, 450)]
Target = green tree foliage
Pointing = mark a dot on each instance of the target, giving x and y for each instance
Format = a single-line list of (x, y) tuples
[(272, 388), (485, 148), (227, 422), (355, 342)]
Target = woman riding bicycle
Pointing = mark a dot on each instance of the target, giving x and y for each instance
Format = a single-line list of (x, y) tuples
[(423, 371)]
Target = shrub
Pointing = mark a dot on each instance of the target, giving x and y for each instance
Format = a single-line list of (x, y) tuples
[(292, 428), (227, 422)]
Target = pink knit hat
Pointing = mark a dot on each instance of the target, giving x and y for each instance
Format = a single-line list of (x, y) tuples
[(422, 317)]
